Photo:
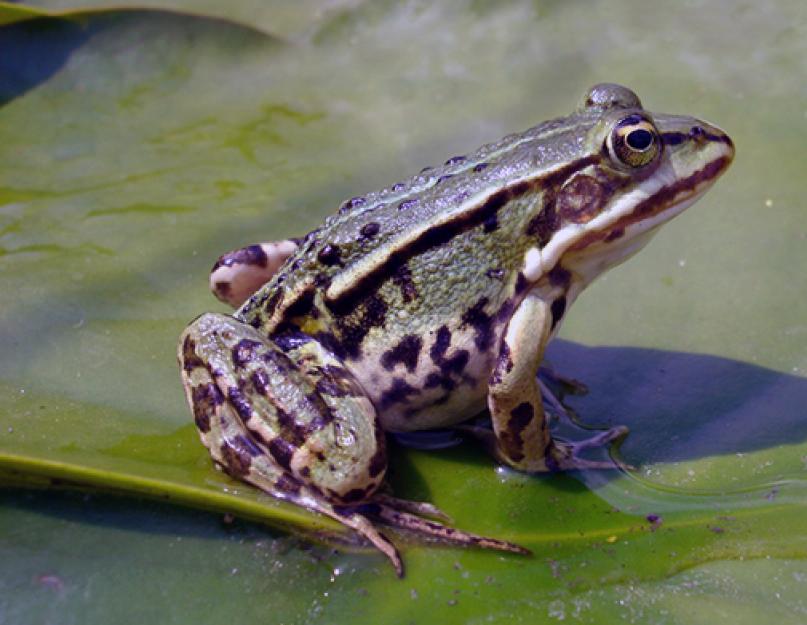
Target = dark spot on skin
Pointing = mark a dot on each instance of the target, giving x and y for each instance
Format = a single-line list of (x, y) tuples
[(327, 386), (252, 255), (504, 365), (441, 344), (480, 166), (244, 352), (580, 199), (521, 283), (455, 159), (615, 234), (491, 223), (206, 398), (520, 418), (281, 451), (329, 255), (287, 484), (403, 279), (255, 322), (352, 203), (373, 313), (322, 281), (332, 344), (239, 402), (399, 392), (433, 380), (291, 340), (406, 204), (222, 288), (274, 299), (480, 321), (443, 178), (406, 352), (558, 308), (456, 364), (260, 381), (369, 230), (290, 430), (425, 169), (495, 274), (546, 222), (236, 461), (190, 360), (560, 276), (398, 186), (244, 443), (301, 306)]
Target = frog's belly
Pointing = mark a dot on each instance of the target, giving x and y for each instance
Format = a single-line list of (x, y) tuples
[(435, 393)]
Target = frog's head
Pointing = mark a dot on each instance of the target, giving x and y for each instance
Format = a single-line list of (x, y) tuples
[(638, 171)]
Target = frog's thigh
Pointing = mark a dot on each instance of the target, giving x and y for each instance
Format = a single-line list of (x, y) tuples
[(295, 407), (514, 397), (238, 274)]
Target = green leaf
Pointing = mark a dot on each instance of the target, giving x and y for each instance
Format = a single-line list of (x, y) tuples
[(138, 145)]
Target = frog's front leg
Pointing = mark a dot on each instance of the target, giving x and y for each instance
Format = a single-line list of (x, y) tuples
[(287, 417), (238, 274), (523, 440)]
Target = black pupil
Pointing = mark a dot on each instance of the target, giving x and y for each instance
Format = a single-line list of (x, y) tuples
[(639, 139)]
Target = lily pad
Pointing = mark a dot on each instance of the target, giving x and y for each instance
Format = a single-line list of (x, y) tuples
[(138, 144)]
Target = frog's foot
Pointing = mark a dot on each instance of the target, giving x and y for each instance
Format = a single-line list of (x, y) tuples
[(238, 274), (563, 456), (397, 513)]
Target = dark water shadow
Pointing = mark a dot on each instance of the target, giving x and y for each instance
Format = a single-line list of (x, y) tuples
[(34, 50), (682, 406)]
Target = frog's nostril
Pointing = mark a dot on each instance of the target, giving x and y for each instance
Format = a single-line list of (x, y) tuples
[(697, 132)]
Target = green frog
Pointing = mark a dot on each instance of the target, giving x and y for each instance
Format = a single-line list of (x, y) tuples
[(417, 306)]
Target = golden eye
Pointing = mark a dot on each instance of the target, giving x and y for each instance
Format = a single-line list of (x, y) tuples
[(634, 141)]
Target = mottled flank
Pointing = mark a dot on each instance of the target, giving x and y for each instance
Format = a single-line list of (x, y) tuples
[(481, 322), (205, 398), (403, 279), (372, 314), (441, 344), (399, 392), (260, 381), (406, 352)]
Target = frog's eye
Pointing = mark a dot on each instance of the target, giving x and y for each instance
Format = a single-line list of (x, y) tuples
[(634, 141)]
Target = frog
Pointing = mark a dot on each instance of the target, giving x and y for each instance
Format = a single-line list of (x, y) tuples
[(420, 305)]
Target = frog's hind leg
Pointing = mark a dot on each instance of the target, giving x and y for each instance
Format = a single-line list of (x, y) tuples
[(291, 422), (239, 273)]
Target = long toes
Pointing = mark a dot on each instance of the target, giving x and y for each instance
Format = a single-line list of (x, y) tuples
[(420, 508), (616, 433), (431, 529)]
